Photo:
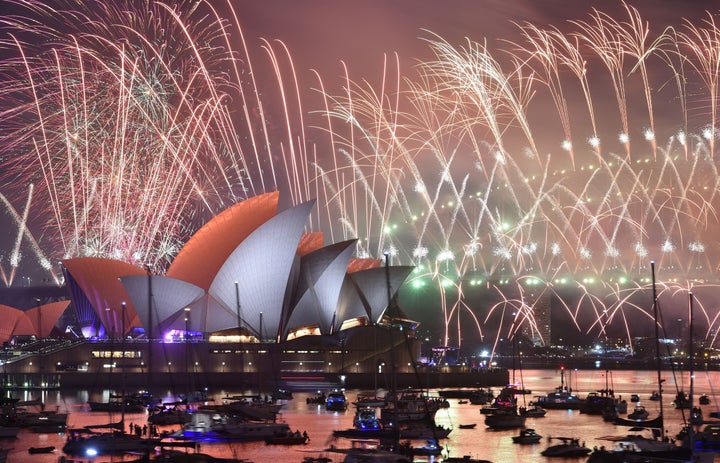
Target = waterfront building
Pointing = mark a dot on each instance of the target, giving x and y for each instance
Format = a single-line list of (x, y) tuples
[(251, 296)]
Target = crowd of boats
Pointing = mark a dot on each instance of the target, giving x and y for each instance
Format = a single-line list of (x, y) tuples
[(397, 427)]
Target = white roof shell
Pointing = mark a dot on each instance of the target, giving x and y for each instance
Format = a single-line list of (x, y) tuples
[(256, 274), (319, 284)]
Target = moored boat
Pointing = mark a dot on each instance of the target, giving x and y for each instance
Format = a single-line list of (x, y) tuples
[(80, 442), (562, 398), (638, 413), (464, 459), (369, 400), (505, 420), (527, 436), (211, 426), (336, 401), (289, 438), (569, 448), (639, 448), (503, 413), (533, 412)]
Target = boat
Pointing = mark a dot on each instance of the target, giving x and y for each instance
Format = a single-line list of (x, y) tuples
[(282, 394), (505, 420), (129, 403), (419, 430), (534, 411), (681, 400), (430, 449), (194, 397), (410, 405), (505, 401), (481, 396), (569, 447), (656, 448), (289, 438), (176, 456), (464, 459), (319, 398), (478, 396), (169, 413), (14, 413), (48, 449), (369, 451), (655, 396), (117, 405), (39, 418), (213, 426), (82, 442), (503, 414), (251, 407), (654, 423), (369, 400), (527, 436), (562, 398), (638, 413), (596, 403), (704, 399), (709, 437), (366, 425), (336, 401), (637, 448)]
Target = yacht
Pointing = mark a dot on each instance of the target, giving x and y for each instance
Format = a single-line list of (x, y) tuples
[(527, 436), (84, 443), (569, 448), (213, 426), (639, 448), (503, 413), (561, 398), (336, 401)]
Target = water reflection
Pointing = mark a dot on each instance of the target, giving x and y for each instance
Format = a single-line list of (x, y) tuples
[(479, 442)]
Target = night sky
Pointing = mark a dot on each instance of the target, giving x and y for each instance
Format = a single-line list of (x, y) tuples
[(396, 195)]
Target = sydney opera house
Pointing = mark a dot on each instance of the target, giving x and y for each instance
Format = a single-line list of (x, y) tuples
[(250, 297)]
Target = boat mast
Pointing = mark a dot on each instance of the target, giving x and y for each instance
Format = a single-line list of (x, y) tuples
[(691, 355), (393, 379), (393, 367), (657, 347), (150, 321), (123, 307)]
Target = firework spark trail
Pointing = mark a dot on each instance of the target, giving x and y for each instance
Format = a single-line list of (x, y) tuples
[(115, 98), (467, 89), (633, 36), (570, 57), (132, 145), (600, 37), (704, 43), (23, 233), (543, 50)]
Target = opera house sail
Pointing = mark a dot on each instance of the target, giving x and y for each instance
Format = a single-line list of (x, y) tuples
[(251, 297)]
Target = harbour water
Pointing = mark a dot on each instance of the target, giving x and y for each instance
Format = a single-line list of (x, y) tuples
[(479, 442)]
